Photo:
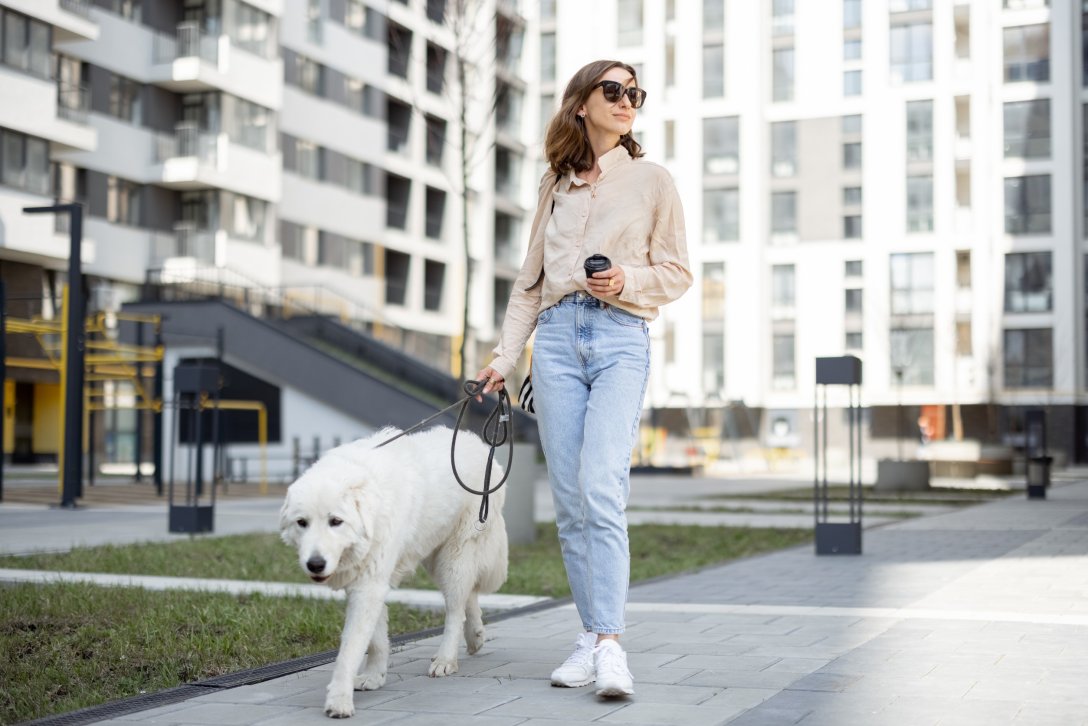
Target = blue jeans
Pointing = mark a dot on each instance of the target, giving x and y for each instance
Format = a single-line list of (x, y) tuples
[(591, 362)]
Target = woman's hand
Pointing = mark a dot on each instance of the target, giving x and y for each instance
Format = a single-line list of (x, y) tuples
[(607, 283), (494, 382)]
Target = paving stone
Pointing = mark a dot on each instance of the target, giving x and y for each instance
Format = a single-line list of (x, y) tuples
[(586, 708), (668, 715), (444, 703)]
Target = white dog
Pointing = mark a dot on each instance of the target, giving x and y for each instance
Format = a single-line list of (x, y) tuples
[(363, 518)]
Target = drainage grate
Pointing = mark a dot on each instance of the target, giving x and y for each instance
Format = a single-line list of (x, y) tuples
[(148, 701), (125, 706)]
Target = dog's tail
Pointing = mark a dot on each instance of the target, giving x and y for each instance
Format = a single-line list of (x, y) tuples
[(494, 553)]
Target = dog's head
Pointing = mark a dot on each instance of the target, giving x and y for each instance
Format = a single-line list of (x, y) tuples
[(323, 517)]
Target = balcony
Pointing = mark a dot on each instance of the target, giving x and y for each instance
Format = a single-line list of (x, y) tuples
[(194, 158), (187, 242), (192, 61), (33, 106)]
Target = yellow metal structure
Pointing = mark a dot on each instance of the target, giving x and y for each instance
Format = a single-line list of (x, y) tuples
[(105, 360), (262, 428)]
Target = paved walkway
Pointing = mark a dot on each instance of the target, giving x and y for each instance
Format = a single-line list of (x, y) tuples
[(972, 616)]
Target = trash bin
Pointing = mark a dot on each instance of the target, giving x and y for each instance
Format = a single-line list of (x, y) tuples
[(1038, 476)]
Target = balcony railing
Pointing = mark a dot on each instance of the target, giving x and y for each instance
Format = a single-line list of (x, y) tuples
[(189, 42), (73, 103), (188, 141), (81, 8), (187, 240)]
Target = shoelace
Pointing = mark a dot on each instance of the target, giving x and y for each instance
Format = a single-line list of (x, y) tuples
[(611, 660), (582, 655)]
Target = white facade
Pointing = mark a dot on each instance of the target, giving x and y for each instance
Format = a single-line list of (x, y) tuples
[(955, 55)]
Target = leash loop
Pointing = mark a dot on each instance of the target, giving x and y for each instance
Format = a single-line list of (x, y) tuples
[(498, 429)]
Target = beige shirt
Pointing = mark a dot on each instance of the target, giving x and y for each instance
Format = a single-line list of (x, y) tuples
[(631, 214)]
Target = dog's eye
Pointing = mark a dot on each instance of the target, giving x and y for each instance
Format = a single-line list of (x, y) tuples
[(302, 523), (335, 521)]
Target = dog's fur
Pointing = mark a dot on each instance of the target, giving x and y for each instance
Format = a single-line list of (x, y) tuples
[(362, 518)]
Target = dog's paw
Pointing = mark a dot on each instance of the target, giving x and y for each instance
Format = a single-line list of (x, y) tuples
[(369, 681), (474, 640), (339, 705), (442, 667)]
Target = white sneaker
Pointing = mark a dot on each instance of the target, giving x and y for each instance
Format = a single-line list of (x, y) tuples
[(577, 670), (613, 678)]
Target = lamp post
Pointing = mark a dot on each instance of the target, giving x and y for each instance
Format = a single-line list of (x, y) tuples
[(71, 475)]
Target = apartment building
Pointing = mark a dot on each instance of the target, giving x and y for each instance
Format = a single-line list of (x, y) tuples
[(306, 152), (901, 180)]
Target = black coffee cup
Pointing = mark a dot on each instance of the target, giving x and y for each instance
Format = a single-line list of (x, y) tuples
[(596, 263)]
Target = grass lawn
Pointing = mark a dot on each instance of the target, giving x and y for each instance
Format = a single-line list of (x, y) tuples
[(71, 646)]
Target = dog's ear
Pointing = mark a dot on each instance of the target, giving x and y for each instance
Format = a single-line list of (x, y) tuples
[(364, 510), (288, 530)]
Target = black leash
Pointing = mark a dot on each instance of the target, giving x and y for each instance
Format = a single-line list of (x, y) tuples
[(497, 430)]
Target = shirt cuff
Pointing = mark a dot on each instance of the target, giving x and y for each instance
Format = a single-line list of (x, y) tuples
[(632, 290)]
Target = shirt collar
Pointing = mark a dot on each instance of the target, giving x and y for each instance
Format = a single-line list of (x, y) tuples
[(610, 160)]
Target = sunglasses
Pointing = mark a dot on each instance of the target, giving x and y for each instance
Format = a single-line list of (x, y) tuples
[(613, 91)]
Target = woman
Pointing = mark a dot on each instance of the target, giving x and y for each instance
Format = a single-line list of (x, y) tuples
[(591, 357)]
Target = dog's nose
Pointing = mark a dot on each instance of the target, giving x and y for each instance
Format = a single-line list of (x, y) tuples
[(315, 564)]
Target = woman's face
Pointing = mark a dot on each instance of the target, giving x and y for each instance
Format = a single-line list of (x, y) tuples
[(607, 117)]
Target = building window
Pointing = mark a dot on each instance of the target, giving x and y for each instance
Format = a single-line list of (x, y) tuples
[(853, 268), (920, 203), (851, 125), (122, 202), (629, 22), (963, 269), (398, 191), (670, 139), (853, 340), (27, 44), (399, 46), (911, 52), (1025, 4), (782, 85), (851, 226), (851, 155), (851, 14), (782, 17), (436, 140), (1029, 286), (713, 70), (332, 250), (246, 217), (919, 130), (783, 292), (907, 6), (851, 196), (721, 215), (547, 57), (852, 301), (713, 16), (911, 355), (851, 49), (785, 360), (1027, 53), (784, 149), (249, 124), (963, 338), (436, 210), (436, 68), (851, 83), (253, 30), (721, 145), (434, 276), (1029, 358), (911, 283), (713, 307), (125, 99), (309, 75), (1027, 129), (784, 213), (24, 162), (1027, 204), (396, 277)]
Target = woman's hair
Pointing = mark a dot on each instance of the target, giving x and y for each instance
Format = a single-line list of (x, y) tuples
[(566, 145)]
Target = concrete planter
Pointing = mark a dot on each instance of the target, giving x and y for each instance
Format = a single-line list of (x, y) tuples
[(893, 475)]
